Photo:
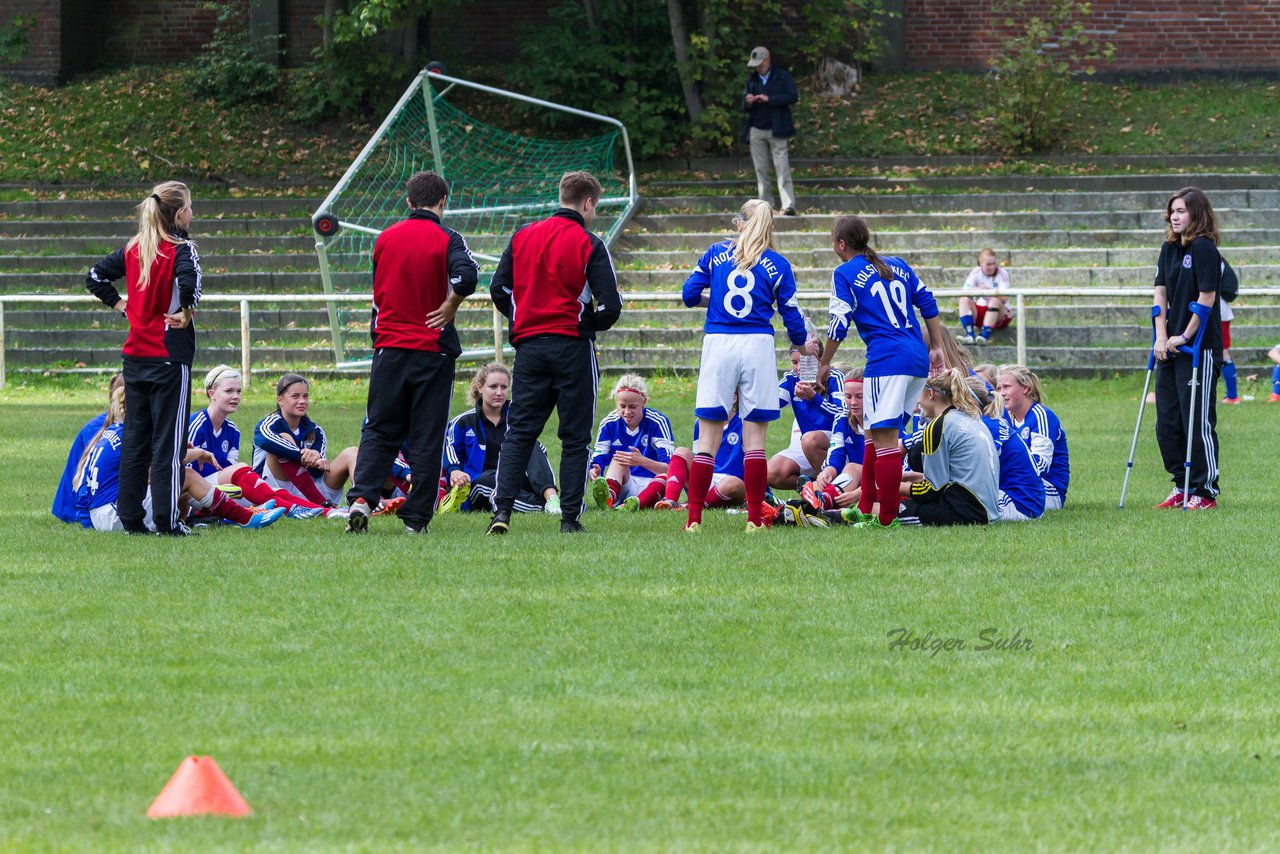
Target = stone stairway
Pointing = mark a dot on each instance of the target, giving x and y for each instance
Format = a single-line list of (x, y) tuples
[(1093, 232)]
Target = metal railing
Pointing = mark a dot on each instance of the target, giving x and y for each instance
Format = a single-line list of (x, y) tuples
[(1020, 296)]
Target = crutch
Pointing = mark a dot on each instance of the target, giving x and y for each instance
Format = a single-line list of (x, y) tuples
[(1142, 404), (1202, 312)]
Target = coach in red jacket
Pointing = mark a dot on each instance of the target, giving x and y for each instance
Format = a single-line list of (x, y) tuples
[(422, 271), (556, 285)]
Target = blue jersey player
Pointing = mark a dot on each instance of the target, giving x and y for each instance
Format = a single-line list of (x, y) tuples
[(740, 282), (880, 297), (633, 450), (815, 407), (1039, 428), (1021, 495)]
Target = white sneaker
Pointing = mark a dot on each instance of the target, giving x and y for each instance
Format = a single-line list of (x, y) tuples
[(965, 338)]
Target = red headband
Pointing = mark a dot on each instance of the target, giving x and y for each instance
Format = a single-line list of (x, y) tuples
[(629, 388)]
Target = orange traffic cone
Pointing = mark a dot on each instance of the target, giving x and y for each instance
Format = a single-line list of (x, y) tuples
[(198, 787)]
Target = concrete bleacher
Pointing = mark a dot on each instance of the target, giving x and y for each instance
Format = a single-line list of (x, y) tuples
[(1093, 232)]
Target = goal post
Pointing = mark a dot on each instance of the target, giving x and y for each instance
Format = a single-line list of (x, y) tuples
[(498, 181)]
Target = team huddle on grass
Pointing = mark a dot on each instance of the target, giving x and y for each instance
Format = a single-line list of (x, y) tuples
[(913, 436)]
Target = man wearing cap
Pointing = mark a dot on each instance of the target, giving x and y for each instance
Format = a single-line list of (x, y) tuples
[(767, 101)]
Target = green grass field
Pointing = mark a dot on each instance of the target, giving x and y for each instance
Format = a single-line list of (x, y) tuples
[(639, 689)]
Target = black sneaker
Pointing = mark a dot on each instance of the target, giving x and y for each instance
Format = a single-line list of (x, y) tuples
[(358, 517), (789, 212), (572, 527), (180, 531), (500, 523)]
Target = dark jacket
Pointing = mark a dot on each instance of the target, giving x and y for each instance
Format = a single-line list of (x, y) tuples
[(416, 262), (1185, 272), (175, 282), (556, 278), (781, 90)]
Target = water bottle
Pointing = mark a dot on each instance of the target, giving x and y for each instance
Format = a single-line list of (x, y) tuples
[(808, 363)]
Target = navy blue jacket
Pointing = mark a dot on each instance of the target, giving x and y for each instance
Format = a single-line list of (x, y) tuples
[(781, 90)]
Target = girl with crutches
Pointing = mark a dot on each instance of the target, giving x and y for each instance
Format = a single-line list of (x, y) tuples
[(1188, 271)]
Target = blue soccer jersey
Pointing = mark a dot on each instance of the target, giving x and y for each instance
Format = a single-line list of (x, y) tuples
[(884, 313), (1044, 435), (268, 438), (847, 444), (64, 500), (652, 438), (742, 302), (1018, 476), (815, 414), (100, 483), (223, 443), (729, 454)]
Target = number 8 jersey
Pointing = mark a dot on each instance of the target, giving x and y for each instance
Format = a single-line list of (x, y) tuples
[(884, 314), (742, 301)]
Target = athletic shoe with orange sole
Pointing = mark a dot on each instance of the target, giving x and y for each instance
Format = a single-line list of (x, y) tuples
[(389, 506), (665, 504), (1174, 500), (1199, 502)]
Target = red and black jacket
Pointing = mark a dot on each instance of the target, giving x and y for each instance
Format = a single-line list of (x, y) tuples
[(175, 283), (416, 262), (556, 278)]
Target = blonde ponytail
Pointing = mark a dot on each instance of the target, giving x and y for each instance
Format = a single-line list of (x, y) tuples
[(992, 404), (953, 384), (157, 222), (756, 235), (115, 414)]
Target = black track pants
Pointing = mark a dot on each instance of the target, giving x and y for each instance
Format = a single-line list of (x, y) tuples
[(157, 399)]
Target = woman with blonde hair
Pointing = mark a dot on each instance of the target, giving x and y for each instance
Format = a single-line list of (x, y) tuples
[(739, 282), (633, 450), (161, 269), (64, 500), (1022, 494), (955, 453), (472, 443), (1040, 429)]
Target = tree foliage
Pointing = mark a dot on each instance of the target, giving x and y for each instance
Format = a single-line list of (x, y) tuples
[(1032, 68)]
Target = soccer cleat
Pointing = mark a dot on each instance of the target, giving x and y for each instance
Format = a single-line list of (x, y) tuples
[(1231, 400), (358, 517), (389, 506), (811, 517), (981, 339), (264, 518), (769, 514), (631, 504), (1199, 502), (789, 212), (693, 528), (966, 338), (180, 530), (499, 524), (297, 511), (665, 504), (454, 498), (336, 512), (1174, 500), (230, 490), (552, 506), (874, 522), (1274, 397), (853, 515), (811, 496), (600, 494), (409, 529), (570, 527), (752, 527)]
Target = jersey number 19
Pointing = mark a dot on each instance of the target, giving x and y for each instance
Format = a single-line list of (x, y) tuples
[(894, 299)]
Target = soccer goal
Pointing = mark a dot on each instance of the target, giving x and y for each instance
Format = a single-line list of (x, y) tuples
[(498, 181)]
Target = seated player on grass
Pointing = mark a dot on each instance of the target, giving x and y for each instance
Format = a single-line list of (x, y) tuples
[(211, 429), (64, 500), (988, 312), (97, 482), (954, 466), (815, 408), (290, 451), (472, 443), (838, 483), (633, 450), (728, 489), (1021, 489), (1039, 428), (1274, 355)]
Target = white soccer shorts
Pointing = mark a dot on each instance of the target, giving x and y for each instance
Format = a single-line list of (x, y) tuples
[(106, 517), (886, 401), (1009, 511), (746, 364), (634, 486)]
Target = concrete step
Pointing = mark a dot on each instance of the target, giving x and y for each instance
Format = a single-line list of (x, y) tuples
[(123, 229), (94, 247), (238, 262), (905, 242), (913, 202), (1012, 257), (1229, 219), (870, 175)]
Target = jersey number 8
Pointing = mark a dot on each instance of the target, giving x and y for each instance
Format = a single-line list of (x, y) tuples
[(740, 284)]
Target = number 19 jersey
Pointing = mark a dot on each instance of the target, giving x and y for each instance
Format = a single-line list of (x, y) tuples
[(884, 313), (741, 302)]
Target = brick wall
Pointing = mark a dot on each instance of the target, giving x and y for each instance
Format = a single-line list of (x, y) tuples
[(44, 41), (145, 32), (1150, 36)]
